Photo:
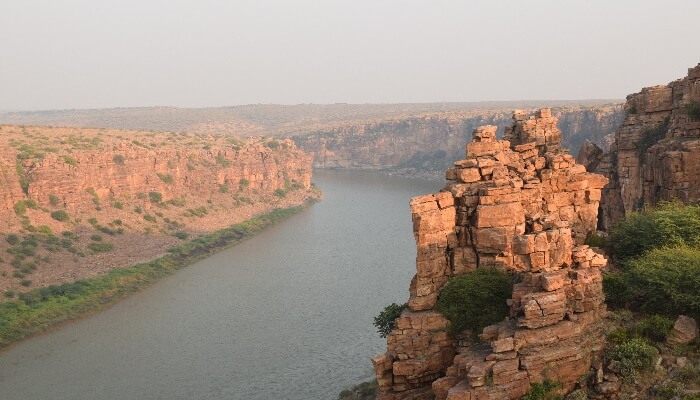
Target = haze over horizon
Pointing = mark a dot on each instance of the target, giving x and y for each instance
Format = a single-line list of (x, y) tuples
[(80, 54)]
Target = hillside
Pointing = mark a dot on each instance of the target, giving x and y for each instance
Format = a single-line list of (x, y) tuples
[(77, 202)]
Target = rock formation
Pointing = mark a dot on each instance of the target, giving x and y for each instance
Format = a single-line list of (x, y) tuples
[(655, 155), (524, 206)]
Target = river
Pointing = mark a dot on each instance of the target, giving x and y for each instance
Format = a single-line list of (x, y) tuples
[(286, 314)]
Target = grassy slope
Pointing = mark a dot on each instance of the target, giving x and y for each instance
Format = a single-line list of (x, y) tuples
[(40, 309)]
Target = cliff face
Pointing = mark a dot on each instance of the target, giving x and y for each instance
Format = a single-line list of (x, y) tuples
[(520, 205), (656, 152), (61, 189), (431, 142)]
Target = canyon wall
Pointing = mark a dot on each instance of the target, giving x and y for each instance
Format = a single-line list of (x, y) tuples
[(68, 195), (431, 142), (656, 152), (521, 205)]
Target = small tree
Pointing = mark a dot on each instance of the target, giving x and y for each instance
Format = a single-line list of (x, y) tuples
[(384, 322)]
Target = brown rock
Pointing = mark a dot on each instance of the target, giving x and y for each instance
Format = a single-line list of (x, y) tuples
[(685, 330)]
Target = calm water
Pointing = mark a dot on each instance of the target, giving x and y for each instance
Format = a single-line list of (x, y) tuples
[(284, 315)]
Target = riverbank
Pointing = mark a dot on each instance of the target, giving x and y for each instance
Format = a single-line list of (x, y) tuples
[(39, 310)]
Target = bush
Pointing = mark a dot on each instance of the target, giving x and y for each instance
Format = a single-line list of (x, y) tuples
[(181, 235), (633, 356), (244, 183), (96, 238), (669, 390), (155, 197), (166, 178), (669, 224), (384, 322), (60, 215), (20, 208), (70, 161), (12, 239), (542, 391), (273, 144), (118, 159), (666, 281), (149, 218), (654, 328), (596, 241), (26, 282), (475, 300), (99, 247), (118, 205), (177, 202), (280, 193), (223, 188), (53, 200), (692, 109)]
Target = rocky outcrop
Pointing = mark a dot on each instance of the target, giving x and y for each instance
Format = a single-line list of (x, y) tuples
[(655, 155), (521, 205), (431, 143)]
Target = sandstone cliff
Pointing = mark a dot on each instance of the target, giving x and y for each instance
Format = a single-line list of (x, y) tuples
[(524, 206), (656, 151), (140, 192), (430, 143)]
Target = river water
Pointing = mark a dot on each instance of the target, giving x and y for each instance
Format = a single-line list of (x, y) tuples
[(286, 314)]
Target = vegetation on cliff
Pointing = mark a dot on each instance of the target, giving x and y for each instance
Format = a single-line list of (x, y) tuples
[(659, 254), (476, 300), (40, 309)]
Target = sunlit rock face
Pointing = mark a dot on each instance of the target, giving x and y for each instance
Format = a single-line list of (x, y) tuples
[(521, 205), (656, 152)]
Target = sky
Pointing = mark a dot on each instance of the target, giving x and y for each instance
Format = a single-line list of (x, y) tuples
[(62, 54)]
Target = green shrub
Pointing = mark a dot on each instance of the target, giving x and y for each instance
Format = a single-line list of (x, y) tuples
[(177, 202), (669, 390), (60, 215), (44, 230), (118, 205), (20, 208), (12, 239), (70, 160), (692, 109), (244, 183), (666, 281), (384, 322), (99, 247), (615, 289), (669, 224), (280, 193), (223, 188), (633, 356), (221, 160), (596, 241), (118, 159), (181, 235), (149, 218), (138, 210), (155, 197), (476, 300), (26, 282), (273, 144), (363, 391), (96, 237), (9, 293), (166, 178), (542, 391), (53, 200), (654, 328)]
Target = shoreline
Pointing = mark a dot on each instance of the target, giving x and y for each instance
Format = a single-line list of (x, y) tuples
[(44, 309)]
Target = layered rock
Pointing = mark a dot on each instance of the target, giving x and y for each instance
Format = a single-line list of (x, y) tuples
[(524, 206), (431, 143), (656, 152)]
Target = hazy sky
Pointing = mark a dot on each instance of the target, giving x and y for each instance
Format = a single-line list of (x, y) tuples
[(103, 53)]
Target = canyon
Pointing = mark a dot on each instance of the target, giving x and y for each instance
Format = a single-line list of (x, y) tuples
[(68, 196), (425, 145)]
